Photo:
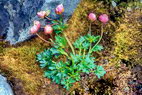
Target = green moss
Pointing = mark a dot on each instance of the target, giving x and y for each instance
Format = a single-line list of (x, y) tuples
[(1, 46), (127, 38), (21, 63)]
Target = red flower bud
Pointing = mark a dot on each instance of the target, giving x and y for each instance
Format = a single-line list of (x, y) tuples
[(104, 18), (37, 23), (34, 29), (59, 9), (92, 17), (41, 14), (48, 29)]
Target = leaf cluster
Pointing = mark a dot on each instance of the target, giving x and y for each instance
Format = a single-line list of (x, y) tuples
[(58, 26), (68, 72)]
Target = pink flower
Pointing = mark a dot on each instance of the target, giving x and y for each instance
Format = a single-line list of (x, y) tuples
[(48, 29), (41, 14), (104, 18), (59, 9), (92, 17), (34, 29), (37, 23)]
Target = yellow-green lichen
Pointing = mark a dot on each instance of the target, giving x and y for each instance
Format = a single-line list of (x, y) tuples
[(126, 39)]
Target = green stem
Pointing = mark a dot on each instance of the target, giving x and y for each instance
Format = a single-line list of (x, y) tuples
[(72, 48), (67, 55), (89, 32), (51, 19), (52, 40), (62, 18), (99, 39), (51, 36), (90, 47), (54, 24), (84, 53), (79, 51)]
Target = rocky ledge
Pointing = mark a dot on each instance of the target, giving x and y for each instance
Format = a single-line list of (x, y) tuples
[(17, 16)]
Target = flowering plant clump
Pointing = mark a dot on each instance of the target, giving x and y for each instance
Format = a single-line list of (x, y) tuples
[(69, 65), (80, 60)]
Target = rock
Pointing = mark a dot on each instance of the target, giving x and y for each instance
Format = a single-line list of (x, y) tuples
[(5, 88), (17, 16)]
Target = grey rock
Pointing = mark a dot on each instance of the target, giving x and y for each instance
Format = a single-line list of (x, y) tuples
[(16, 16), (5, 88)]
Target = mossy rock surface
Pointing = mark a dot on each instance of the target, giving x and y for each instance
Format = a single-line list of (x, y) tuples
[(122, 41)]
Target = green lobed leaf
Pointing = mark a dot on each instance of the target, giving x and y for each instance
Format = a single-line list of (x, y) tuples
[(60, 41), (57, 27), (44, 58), (97, 48), (87, 64), (99, 71), (57, 31), (91, 38), (78, 43), (85, 45), (76, 58), (54, 21)]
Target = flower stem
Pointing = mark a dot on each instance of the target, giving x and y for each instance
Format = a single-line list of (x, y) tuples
[(89, 32), (43, 39), (99, 39), (79, 51), (90, 47), (84, 52), (72, 48), (67, 55), (48, 18), (51, 19), (52, 41), (51, 36), (54, 24)]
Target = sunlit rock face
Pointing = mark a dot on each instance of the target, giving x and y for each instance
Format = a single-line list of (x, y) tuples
[(16, 16)]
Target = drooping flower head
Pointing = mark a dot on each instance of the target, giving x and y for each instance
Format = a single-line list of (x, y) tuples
[(37, 23), (41, 14), (92, 17), (104, 18), (59, 9), (48, 29), (34, 29)]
